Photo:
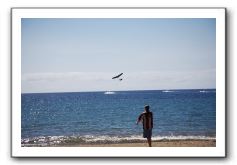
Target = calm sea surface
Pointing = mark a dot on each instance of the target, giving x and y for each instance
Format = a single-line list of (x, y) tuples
[(107, 117)]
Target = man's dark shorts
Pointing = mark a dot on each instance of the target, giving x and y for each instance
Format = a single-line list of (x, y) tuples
[(147, 133)]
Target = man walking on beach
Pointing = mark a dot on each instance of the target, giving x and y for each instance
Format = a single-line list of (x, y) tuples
[(147, 119)]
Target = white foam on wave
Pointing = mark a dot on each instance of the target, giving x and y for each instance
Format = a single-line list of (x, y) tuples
[(167, 91), (205, 91), (55, 140), (109, 93), (139, 137), (43, 140)]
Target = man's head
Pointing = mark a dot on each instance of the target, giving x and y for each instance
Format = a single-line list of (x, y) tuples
[(147, 108)]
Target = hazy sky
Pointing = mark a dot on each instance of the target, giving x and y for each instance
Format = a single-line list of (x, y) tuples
[(72, 55)]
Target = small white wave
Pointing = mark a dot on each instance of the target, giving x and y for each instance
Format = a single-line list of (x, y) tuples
[(205, 91), (137, 138), (43, 140), (90, 139), (109, 93), (167, 91), (183, 138)]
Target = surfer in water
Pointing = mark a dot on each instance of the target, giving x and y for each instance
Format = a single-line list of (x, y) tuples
[(147, 120)]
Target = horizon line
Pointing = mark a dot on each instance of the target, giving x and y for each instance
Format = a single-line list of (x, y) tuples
[(119, 90)]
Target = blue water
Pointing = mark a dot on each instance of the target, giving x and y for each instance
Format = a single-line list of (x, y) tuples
[(112, 115)]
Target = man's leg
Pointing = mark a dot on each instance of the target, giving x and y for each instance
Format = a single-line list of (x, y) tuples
[(149, 141)]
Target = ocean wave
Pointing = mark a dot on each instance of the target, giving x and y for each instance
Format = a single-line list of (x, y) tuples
[(109, 93), (90, 139), (168, 91), (206, 91)]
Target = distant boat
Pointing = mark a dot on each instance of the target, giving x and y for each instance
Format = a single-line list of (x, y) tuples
[(109, 93)]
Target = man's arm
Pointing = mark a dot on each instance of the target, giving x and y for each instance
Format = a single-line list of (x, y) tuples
[(139, 118)]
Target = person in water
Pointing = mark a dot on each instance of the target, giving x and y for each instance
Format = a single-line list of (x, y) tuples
[(147, 120)]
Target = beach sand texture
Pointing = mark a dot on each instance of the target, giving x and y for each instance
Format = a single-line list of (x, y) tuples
[(168, 143)]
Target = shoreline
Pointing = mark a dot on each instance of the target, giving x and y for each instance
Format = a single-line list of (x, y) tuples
[(157, 143)]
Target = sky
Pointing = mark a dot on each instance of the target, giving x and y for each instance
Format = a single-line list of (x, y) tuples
[(75, 55)]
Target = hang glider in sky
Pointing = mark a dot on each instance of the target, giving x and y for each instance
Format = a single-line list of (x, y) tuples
[(117, 76)]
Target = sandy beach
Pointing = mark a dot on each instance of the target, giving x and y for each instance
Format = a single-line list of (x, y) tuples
[(167, 143)]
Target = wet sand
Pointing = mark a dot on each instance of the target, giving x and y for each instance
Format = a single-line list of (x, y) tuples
[(166, 143)]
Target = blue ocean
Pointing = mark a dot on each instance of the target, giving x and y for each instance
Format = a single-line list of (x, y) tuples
[(110, 117)]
